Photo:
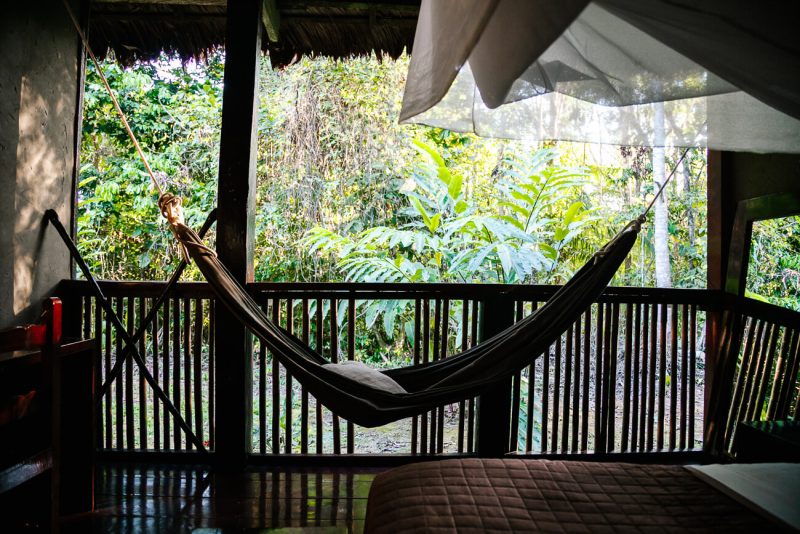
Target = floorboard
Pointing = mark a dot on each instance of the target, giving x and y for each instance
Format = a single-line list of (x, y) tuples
[(185, 499)]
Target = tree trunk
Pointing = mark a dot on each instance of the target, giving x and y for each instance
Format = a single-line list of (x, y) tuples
[(687, 191), (661, 232)]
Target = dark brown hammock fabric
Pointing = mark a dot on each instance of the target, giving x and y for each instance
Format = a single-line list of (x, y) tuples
[(427, 385)]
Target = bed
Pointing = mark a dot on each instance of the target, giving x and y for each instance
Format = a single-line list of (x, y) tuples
[(516, 495)]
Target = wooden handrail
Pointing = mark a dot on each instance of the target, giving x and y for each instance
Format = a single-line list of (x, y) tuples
[(149, 289)]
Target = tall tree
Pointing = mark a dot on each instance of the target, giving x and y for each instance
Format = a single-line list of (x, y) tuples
[(661, 208)]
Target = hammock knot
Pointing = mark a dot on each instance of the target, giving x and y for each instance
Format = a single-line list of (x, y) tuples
[(637, 223), (171, 207)]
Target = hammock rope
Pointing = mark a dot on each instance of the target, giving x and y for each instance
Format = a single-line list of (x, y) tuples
[(122, 116)]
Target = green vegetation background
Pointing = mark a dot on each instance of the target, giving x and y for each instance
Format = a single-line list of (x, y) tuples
[(345, 193)]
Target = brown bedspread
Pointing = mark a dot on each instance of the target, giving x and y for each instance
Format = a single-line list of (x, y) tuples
[(511, 495)]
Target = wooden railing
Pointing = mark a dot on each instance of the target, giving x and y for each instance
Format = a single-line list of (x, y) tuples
[(627, 376), (760, 358)]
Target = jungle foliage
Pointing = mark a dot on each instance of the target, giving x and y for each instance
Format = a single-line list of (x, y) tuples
[(345, 193)]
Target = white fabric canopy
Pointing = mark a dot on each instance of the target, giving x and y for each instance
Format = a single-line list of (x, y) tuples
[(727, 72)]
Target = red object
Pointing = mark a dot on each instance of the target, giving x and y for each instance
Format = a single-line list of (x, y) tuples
[(46, 331)]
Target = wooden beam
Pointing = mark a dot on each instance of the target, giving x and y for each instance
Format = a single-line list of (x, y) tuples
[(236, 212), (494, 406)]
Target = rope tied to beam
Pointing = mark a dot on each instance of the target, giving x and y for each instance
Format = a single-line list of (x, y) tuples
[(171, 207)]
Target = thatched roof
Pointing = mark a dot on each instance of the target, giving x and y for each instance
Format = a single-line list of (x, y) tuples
[(142, 29)]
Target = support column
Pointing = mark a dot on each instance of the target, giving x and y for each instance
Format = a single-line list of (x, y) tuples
[(236, 210), (494, 406)]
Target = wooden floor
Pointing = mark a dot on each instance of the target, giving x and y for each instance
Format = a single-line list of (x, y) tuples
[(179, 499)]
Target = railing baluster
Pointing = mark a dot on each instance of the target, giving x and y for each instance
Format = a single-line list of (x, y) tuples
[(646, 366), (752, 327), (607, 383), (692, 367), (276, 387), (613, 354), (673, 377), (516, 393), (461, 404), (684, 375), (529, 436), (627, 378), (306, 333), (576, 387), (762, 334), (545, 400), (653, 359), (198, 375), (445, 324), (86, 316), (765, 373), (288, 400), (337, 433), (426, 339), (637, 339), (142, 385), (587, 357), (176, 370), (471, 401), (784, 395), (165, 338), (598, 384), (437, 322), (317, 406), (351, 355), (212, 332), (130, 436), (119, 383), (99, 373), (662, 377), (567, 384), (187, 364), (262, 397), (156, 377), (415, 421), (556, 396)]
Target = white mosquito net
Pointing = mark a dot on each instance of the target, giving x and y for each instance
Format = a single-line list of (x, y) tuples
[(716, 73)]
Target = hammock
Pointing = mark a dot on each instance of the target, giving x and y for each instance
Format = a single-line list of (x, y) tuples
[(372, 398), (362, 395)]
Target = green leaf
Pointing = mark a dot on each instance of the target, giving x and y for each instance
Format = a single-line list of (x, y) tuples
[(548, 251), (454, 187), (422, 148), (573, 210), (435, 220), (512, 220)]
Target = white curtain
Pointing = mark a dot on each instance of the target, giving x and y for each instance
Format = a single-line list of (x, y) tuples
[(727, 73)]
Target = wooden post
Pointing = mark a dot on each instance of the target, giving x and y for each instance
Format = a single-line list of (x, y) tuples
[(236, 210), (494, 407), (720, 223)]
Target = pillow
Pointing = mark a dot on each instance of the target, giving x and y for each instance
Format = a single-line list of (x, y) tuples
[(365, 374)]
